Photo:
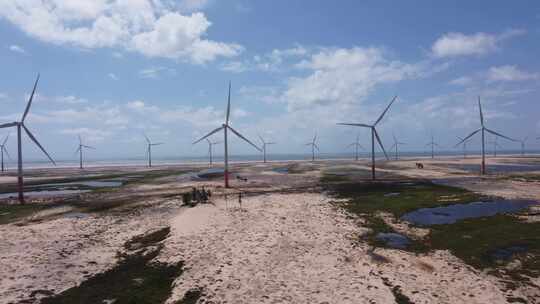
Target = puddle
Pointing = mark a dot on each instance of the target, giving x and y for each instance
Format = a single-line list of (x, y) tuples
[(453, 213), (283, 170), (211, 173), (495, 168), (44, 193), (394, 240), (76, 215), (90, 184), (507, 253)]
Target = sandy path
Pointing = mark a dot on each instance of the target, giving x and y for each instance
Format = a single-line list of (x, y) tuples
[(297, 248)]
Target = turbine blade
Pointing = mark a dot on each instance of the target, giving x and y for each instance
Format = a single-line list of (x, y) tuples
[(355, 124), (351, 145), (156, 144), (77, 151), (315, 138), (7, 153), (5, 140), (228, 105), (317, 147), (481, 114), (7, 125), (147, 139), (385, 110), (271, 143), (30, 100), (89, 147), (393, 146), (466, 138), (499, 134), (242, 137), (37, 143), (209, 142), (380, 142), (260, 137), (80, 140), (207, 135)]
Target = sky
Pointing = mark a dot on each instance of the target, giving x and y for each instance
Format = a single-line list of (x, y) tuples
[(113, 70)]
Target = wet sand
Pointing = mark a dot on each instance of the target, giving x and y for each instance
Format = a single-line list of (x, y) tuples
[(284, 244)]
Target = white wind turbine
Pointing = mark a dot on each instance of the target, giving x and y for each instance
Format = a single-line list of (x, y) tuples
[(2, 150), (149, 149), (495, 146), (264, 143), (226, 127), (80, 151), (464, 142), (523, 141), (356, 146), (210, 145), (483, 129), (21, 126), (374, 135), (432, 143), (314, 146), (396, 146)]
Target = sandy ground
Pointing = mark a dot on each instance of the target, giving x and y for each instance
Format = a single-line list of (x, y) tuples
[(288, 246)]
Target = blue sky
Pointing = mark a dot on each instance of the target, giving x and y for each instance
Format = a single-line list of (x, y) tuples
[(112, 70)]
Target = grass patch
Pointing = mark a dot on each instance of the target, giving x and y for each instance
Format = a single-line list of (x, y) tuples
[(135, 279), (12, 213)]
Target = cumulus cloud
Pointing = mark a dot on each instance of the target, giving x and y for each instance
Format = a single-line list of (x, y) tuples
[(459, 44), (345, 76), (155, 72), (17, 49), (461, 81), (89, 135), (273, 61), (113, 76), (148, 27), (509, 73)]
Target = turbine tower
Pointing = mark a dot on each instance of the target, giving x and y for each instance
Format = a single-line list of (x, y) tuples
[(374, 135), (464, 143), (149, 149), (80, 151), (2, 150), (523, 141), (210, 145), (495, 146), (264, 143), (226, 127), (21, 126), (356, 145), (483, 129), (432, 143), (396, 146), (314, 146)]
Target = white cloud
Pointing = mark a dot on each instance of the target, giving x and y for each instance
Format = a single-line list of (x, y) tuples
[(509, 73), (113, 76), (193, 5), (345, 76), (89, 135), (459, 44), (269, 62), (461, 81), (70, 99), (154, 72), (234, 67), (17, 49), (149, 27)]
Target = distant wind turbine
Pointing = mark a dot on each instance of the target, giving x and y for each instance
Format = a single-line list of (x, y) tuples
[(495, 146), (523, 141), (396, 146), (3, 149), (314, 146), (20, 125), (483, 129), (210, 145), (356, 146), (149, 149), (374, 135), (464, 143), (80, 151), (432, 143), (264, 143), (226, 127)]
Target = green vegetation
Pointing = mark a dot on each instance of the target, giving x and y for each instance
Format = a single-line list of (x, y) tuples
[(135, 279), (476, 241), (12, 213)]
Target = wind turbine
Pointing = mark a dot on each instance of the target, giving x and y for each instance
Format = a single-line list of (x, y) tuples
[(432, 143), (495, 146), (210, 144), (225, 127), (483, 129), (396, 145), (20, 126), (149, 149), (356, 145), (80, 151), (464, 146), (314, 146), (374, 135), (523, 141), (3, 149), (264, 143)]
